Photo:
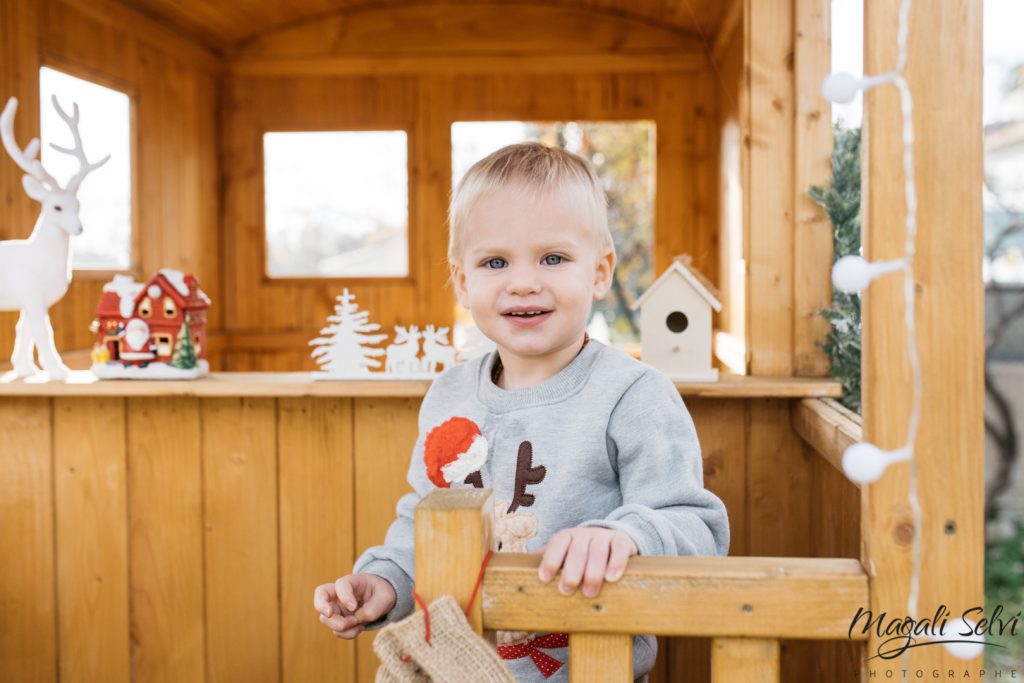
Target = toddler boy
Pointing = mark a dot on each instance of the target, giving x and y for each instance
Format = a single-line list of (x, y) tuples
[(591, 454)]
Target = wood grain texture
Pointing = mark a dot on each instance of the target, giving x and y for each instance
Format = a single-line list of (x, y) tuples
[(752, 660), (454, 532), (733, 150), (240, 539), (301, 384), (806, 598), (28, 629), (827, 427), (229, 25), (384, 438), (165, 501), (317, 520), (942, 74), (812, 149), (600, 657), (90, 474), (769, 213)]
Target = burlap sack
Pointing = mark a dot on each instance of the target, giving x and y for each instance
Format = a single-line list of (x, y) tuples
[(455, 654)]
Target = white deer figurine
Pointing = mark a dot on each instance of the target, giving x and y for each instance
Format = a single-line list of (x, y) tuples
[(403, 354), (35, 272), (436, 349)]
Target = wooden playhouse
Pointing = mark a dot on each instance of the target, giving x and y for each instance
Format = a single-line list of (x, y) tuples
[(175, 531)]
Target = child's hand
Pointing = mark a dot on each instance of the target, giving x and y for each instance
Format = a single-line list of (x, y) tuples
[(352, 601), (593, 554)]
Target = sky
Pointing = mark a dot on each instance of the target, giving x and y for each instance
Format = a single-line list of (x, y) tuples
[(1003, 49)]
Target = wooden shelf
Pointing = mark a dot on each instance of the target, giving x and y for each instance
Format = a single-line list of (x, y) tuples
[(84, 383)]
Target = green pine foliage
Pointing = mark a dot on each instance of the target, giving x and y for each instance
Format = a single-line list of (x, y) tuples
[(841, 201), (184, 352)]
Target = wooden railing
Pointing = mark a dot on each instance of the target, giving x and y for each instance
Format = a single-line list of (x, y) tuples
[(827, 426), (745, 604)]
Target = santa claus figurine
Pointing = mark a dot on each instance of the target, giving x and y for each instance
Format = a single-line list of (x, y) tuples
[(137, 341)]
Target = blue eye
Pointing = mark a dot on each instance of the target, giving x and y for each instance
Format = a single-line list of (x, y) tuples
[(551, 256), (490, 262)]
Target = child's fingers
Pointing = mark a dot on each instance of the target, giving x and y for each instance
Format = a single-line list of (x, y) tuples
[(322, 597), (350, 633), (575, 562), (622, 549), (596, 564), (338, 622), (377, 604), (345, 595), (554, 555)]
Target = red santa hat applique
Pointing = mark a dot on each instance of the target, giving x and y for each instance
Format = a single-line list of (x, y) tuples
[(454, 450)]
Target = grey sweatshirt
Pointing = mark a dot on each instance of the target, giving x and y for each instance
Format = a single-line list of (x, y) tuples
[(605, 442)]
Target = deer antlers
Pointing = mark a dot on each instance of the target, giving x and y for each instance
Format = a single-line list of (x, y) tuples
[(526, 474), (25, 158)]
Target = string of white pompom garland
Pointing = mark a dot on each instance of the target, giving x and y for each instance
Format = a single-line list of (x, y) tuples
[(864, 462)]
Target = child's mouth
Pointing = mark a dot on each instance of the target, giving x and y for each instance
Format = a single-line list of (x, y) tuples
[(527, 318)]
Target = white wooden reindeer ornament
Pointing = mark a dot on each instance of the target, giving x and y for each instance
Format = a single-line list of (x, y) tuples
[(35, 272), (346, 350)]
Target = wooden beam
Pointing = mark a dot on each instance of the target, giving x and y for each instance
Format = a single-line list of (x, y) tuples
[(944, 68), (762, 597), (731, 24), (812, 165), (121, 16), (768, 185), (84, 383), (826, 428), (532, 63), (600, 657)]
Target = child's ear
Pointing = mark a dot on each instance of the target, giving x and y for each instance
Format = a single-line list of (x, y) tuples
[(458, 277), (603, 274)]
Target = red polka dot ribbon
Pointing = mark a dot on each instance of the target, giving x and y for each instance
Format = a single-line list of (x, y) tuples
[(546, 664)]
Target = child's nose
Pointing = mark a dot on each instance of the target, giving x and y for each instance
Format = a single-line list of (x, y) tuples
[(522, 282)]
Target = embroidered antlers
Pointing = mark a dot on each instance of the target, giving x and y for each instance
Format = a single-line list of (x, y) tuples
[(526, 474)]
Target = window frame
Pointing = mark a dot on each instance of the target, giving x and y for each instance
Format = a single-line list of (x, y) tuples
[(77, 70), (412, 236)]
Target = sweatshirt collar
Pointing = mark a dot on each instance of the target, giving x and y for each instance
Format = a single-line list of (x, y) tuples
[(559, 386)]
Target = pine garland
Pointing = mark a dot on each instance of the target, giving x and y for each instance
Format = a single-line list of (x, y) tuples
[(841, 202)]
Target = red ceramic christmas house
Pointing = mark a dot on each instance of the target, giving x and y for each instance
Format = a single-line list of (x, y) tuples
[(142, 326)]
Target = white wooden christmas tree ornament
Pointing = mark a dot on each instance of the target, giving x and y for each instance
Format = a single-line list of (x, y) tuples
[(675, 323), (35, 272), (346, 350)]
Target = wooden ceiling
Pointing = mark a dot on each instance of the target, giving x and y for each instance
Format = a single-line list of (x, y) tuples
[(227, 24)]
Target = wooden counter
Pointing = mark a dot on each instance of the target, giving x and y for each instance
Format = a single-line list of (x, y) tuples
[(189, 521), (279, 384)]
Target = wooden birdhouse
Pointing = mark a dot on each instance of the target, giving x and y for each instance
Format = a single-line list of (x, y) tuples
[(675, 323)]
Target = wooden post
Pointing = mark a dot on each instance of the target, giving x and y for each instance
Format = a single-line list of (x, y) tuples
[(752, 660), (944, 74), (453, 534), (600, 657)]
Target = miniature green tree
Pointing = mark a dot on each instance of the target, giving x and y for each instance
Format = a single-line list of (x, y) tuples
[(184, 353)]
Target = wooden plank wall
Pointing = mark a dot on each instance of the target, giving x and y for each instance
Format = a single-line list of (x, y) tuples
[(179, 538), (173, 85), (454, 63)]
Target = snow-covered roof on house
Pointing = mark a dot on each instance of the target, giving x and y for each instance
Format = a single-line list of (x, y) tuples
[(184, 287), (126, 289), (682, 266)]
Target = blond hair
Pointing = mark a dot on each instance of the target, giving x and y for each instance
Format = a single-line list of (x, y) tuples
[(538, 168)]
